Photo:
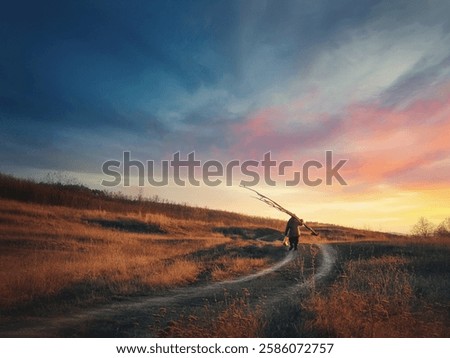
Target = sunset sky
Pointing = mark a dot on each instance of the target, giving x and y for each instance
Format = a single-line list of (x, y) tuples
[(83, 81)]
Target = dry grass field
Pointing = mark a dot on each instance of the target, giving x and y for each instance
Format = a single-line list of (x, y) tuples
[(385, 289), (66, 248), (378, 290), (58, 252)]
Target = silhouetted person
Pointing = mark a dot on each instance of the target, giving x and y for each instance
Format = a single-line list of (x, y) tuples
[(293, 232)]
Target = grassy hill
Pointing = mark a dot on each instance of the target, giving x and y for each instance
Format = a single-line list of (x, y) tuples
[(80, 197), (87, 245), (66, 247), (70, 244)]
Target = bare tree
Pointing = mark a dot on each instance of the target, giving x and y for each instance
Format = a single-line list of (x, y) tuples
[(424, 228), (443, 229)]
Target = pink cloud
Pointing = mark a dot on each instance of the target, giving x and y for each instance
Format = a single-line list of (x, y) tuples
[(382, 145), (268, 130)]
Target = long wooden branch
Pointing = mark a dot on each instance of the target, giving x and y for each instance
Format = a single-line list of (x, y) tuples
[(277, 206)]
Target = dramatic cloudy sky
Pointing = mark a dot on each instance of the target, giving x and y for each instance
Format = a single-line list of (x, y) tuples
[(83, 81)]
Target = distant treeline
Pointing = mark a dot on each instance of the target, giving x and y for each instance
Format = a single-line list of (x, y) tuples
[(424, 228), (81, 197)]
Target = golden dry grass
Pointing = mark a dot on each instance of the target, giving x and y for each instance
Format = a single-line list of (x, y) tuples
[(84, 252), (384, 290), (48, 251), (375, 297), (237, 319), (227, 267)]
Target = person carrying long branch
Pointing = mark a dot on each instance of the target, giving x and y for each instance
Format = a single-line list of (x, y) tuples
[(292, 231)]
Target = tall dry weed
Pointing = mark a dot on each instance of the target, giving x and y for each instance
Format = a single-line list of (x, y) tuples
[(374, 298)]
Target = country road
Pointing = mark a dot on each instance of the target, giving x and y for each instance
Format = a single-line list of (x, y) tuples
[(131, 317)]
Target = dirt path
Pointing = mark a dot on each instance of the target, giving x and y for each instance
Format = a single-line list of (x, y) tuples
[(323, 270), (269, 286)]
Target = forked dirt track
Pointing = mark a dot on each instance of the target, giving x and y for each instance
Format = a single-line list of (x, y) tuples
[(133, 317)]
